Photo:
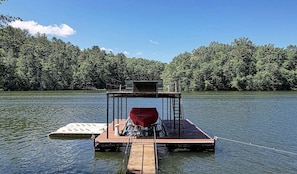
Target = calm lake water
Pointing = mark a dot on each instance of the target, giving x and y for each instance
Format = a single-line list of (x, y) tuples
[(263, 118)]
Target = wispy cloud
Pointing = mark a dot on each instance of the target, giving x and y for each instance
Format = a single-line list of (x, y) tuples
[(154, 42), (126, 52), (33, 27), (106, 49)]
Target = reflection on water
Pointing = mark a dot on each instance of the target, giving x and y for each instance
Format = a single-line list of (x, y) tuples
[(109, 162), (185, 162), (264, 118)]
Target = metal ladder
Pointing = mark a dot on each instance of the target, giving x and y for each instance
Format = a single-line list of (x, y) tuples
[(177, 113)]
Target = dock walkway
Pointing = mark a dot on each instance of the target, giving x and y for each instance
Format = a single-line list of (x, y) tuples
[(142, 158)]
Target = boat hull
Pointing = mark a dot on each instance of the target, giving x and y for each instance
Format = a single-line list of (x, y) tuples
[(144, 117)]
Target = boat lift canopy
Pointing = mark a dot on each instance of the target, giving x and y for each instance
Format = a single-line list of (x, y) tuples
[(143, 89)]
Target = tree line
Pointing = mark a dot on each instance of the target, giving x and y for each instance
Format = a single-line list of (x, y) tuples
[(36, 63), (240, 65)]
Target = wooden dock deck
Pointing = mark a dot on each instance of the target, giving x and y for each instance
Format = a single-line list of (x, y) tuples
[(142, 158), (192, 138)]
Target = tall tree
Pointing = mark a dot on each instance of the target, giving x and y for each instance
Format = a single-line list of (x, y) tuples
[(5, 19), (243, 63), (29, 66)]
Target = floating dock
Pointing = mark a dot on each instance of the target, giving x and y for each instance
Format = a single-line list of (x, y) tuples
[(79, 130), (192, 138)]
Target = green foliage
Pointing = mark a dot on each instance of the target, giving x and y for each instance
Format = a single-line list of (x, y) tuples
[(238, 66), (139, 68), (36, 63)]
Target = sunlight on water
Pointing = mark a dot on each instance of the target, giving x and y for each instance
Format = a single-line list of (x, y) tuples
[(263, 118)]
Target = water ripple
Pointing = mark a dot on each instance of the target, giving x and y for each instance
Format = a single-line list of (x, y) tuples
[(260, 118)]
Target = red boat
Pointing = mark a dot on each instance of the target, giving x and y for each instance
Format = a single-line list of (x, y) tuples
[(143, 116)]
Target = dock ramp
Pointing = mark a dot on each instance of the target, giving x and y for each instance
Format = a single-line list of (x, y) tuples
[(142, 158)]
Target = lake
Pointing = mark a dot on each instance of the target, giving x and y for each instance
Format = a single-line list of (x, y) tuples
[(268, 119)]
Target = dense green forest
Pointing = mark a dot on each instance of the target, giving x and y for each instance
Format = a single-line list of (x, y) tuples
[(240, 65), (36, 63)]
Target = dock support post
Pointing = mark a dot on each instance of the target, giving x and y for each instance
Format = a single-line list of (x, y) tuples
[(118, 103), (162, 109), (107, 115), (169, 107), (126, 108), (121, 106), (113, 110), (179, 114)]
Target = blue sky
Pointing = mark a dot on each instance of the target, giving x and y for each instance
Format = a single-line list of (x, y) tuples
[(158, 29)]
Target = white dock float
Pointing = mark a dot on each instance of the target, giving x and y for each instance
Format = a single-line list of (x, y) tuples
[(79, 130)]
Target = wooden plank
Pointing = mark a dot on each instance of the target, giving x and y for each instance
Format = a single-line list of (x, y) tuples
[(149, 159), (191, 136), (142, 158), (135, 159)]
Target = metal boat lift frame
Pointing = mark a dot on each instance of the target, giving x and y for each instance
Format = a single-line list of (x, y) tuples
[(117, 105)]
